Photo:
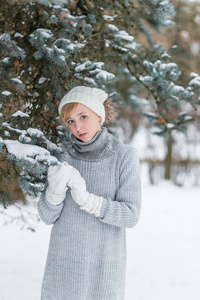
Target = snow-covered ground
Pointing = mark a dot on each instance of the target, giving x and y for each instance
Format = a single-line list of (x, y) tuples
[(163, 261)]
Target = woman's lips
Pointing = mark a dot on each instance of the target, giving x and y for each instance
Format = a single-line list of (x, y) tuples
[(82, 134)]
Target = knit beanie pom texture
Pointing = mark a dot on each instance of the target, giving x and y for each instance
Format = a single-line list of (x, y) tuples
[(93, 98)]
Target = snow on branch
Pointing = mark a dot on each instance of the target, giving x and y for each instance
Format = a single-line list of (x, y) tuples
[(19, 113), (7, 45), (92, 74), (121, 39), (28, 152)]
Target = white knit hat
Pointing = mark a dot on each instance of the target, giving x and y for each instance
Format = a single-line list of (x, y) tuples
[(93, 98)]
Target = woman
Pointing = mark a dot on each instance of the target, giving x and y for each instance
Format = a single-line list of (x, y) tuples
[(92, 196)]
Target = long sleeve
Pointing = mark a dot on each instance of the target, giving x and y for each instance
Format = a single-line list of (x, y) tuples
[(49, 213), (124, 210)]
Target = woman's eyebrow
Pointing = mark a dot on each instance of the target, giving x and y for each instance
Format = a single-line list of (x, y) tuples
[(76, 115), (81, 113)]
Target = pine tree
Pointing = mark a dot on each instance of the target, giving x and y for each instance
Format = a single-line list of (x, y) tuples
[(48, 47)]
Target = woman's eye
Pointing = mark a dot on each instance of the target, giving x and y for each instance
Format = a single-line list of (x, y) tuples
[(83, 117), (70, 121)]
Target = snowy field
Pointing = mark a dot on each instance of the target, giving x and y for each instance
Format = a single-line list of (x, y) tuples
[(163, 261)]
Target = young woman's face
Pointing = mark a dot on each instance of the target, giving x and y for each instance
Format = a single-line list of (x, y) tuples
[(84, 123)]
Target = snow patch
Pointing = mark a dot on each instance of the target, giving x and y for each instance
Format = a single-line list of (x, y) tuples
[(41, 80), (29, 152), (19, 113), (6, 93)]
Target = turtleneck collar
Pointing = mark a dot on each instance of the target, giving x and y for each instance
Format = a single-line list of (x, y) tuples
[(102, 145)]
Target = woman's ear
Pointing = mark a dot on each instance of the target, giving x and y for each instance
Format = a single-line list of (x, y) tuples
[(100, 118)]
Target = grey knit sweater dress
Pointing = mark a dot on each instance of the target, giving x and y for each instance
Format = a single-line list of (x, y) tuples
[(87, 254)]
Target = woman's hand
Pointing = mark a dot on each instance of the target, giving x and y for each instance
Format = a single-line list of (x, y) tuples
[(58, 177), (87, 201), (78, 187)]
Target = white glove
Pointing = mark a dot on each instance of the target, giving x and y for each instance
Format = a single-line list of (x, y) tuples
[(88, 202), (58, 177)]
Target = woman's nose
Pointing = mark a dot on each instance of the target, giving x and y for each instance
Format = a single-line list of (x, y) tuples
[(78, 126)]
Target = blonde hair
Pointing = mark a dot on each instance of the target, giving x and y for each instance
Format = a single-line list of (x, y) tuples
[(109, 111)]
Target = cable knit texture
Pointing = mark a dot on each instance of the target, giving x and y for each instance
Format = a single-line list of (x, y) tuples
[(87, 253)]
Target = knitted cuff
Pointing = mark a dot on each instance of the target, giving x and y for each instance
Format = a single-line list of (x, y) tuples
[(54, 198), (93, 205)]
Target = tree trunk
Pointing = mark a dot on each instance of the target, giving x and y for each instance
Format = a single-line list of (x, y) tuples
[(168, 158)]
